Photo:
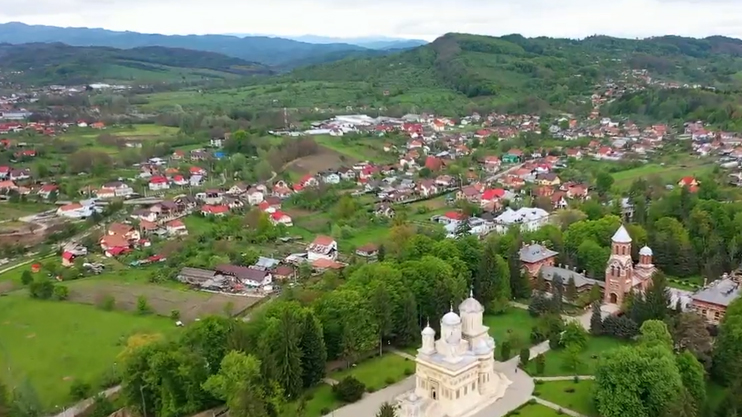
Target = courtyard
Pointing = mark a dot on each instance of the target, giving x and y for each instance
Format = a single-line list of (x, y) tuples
[(379, 372)]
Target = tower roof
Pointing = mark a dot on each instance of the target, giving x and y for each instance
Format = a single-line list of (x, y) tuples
[(451, 319), (428, 331), (621, 236), (645, 251), (470, 305)]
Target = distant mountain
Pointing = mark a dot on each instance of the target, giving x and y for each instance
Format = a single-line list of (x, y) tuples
[(370, 42), (276, 52), (57, 63)]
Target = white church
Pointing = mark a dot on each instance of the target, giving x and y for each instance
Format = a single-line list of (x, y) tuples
[(456, 375)]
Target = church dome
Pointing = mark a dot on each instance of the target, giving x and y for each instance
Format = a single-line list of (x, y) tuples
[(481, 347), (621, 236), (451, 319), (470, 305), (645, 251), (428, 331)]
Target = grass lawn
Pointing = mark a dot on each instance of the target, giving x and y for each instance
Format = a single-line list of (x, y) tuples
[(690, 284), (360, 149), (516, 322), (53, 343), (568, 394), (15, 273), (319, 401), (555, 359), (380, 371), (10, 211), (671, 171), (537, 410), (197, 225)]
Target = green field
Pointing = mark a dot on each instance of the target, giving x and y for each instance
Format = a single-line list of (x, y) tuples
[(379, 372), (367, 149), (568, 394), (319, 400), (54, 343), (10, 211), (670, 171), (516, 322), (555, 359)]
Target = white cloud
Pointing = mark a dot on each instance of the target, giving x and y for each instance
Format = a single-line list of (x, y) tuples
[(406, 18)]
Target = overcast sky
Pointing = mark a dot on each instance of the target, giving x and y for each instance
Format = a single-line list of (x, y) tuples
[(422, 19)]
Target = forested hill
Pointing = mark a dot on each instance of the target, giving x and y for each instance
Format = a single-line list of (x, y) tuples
[(56, 63), (544, 71), (721, 109), (272, 51)]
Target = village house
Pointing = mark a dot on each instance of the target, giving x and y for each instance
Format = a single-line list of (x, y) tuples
[(48, 190), (279, 217), (176, 228), (254, 196), (527, 218), (369, 250), (158, 183), (711, 301), (75, 211), (214, 210), (249, 277), (427, 188), (323, 247)]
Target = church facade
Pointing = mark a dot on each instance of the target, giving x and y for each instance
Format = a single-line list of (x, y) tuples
[(622, 276), (456, 375)]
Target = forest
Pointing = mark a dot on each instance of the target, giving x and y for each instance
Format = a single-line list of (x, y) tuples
[(720, 109)]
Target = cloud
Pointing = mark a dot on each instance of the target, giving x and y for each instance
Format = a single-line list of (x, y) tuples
[(406, 18)]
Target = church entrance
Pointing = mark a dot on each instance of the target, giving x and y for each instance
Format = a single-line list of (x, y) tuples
[(433, 389), (613, 298)]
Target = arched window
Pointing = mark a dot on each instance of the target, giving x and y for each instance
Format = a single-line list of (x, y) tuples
[(613, 270), (623, 250)]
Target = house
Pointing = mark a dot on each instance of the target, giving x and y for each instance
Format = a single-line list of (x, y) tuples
[(427, 188), (323, 264), (432, 163), (180, 180), (689, 182), (98, 125), (237, 189), (308, 181), (214, 210), (323, 247), (492, 164), (74, 211), (114, 245), (368, 251), (249, 277), (119, 188), (196, 180), (126, 231), (281, 190), (528, 218), (148, 228), (176, 228), (712, 300), (48, 190), (178, 155), (254, 196), (384, 210), (330, 177), (8, 186), (444, 181), (158, 183), (197, 171), (534, 255), (492, 196), (68, 259), (20, 174), (279, 217), (470, 194), (4, 172), (549, 179), (284, 273)]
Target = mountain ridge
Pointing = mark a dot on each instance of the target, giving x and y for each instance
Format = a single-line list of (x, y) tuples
[(272, 51), (58, 63)]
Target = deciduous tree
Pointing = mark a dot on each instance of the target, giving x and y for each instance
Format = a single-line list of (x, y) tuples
[(693, 377), (655, 333), (690, 333), (636, 382)]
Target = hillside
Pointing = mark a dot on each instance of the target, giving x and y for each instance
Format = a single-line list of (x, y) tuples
[(270, 51), (535, 73), (723, 110), (56, 63)]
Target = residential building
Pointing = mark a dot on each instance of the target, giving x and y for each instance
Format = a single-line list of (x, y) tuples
[(323, 247)]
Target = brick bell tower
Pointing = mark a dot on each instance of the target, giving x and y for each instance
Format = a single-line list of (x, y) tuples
[(620, 268)]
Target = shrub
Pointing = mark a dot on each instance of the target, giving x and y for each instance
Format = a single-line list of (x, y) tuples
[(525, 356), (505, 350), (26, 277), (325, 411), (110, 379), (537, 335), (142, 305), (576, 379), (175, 315), (389, 380), (370, 390), (621, 327), (102, 407), (107, 303), (532, 401), (538, 382), (540, 364), (569, 390), (349, 390), (309, 396), (79, 390), (61, 292), (560, 412), (536, 393), (41, 288), (408, 372)]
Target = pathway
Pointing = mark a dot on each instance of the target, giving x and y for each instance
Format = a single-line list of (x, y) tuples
[(83, 405), (562, 378), (551, 405)]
